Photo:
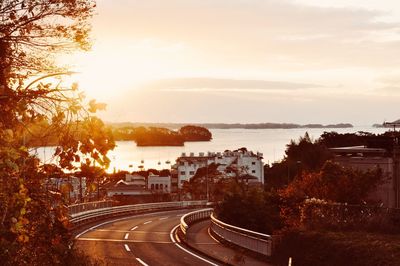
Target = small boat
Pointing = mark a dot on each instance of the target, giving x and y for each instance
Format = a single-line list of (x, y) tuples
[(142, 161), (159, 163), (140, 166), (167, 161), (131, 165)]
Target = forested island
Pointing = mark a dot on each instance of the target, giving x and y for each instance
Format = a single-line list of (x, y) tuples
[(159, 136), (42, 133), (233, 125)]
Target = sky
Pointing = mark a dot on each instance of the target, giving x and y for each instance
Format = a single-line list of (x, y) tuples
[(246, 61)]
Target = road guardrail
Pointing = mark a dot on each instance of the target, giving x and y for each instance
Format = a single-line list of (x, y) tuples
[(192, 217), (251, 240), (83, 217), (87, 206)]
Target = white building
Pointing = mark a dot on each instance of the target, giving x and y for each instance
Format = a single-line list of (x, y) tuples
[(159, 184), (230, 162)]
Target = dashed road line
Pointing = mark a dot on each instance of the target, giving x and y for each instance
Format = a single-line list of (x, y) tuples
[(133, 228), (122, 240), (147, 222), (127, 247), (163, 218), (142, 262), (126, 236)]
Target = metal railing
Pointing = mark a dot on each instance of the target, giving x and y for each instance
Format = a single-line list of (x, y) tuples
[(254, 241), (82, 207), (192, 217), (96, 214)]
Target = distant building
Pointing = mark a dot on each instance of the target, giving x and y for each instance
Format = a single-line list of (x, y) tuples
[(241, 160), (135, 179), (133, 185), (363, 158), (159, 184)]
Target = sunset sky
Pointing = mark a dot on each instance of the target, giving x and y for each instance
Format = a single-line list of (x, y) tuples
[(301, 61)]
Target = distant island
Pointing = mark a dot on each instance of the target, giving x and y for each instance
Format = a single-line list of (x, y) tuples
[(160, 136), (232, 126)]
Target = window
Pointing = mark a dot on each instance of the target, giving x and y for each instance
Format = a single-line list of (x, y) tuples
[(183, 172), (156, 186), (191, 173), (161, 186), (253, 171), (253, 163), (152, 186)]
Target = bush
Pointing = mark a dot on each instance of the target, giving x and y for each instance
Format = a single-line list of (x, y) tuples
[(332, 248)]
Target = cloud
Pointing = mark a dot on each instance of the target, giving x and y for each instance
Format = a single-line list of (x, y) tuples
[(224, 85), (263, 34)]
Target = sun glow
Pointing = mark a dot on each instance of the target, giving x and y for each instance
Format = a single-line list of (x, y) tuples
[(111, 69)]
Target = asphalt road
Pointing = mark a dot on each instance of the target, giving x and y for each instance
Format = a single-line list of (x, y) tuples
[(138, 240)]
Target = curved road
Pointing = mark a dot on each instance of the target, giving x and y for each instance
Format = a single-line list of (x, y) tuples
[(138, 240)]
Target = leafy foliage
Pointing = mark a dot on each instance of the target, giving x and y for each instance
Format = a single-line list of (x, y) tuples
[(332, 183), (252, 209), (33, 219), (302, 155)]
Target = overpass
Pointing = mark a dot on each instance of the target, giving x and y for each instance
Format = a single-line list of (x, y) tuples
[(163, 234)]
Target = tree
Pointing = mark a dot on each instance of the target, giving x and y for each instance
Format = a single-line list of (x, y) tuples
[(302, 155), (205, 178), (333, 183), (195, 133), (33, 219), (252, 209)]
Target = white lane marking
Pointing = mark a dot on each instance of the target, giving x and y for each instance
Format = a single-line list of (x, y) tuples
[(179, 215), (209, 233), (127, 247), (119, 219), (123, 240), (126, 236), (93, 227), (142, 262), (147, 222), (163, 218), (171, 235), (134, 228)]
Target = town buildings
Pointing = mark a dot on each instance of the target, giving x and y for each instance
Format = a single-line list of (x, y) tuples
[(133, 185), (239, 162), (364, 158)]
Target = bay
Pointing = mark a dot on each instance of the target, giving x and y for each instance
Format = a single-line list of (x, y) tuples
[(271, 142)]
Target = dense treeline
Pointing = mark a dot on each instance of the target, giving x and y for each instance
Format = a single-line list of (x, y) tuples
[(156, 136)]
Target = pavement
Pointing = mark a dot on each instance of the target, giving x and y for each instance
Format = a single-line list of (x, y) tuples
[(199, 238)]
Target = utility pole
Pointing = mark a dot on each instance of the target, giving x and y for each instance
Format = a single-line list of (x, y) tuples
[(208, 195)]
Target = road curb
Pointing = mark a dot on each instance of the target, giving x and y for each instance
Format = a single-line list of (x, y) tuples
[(178, 234)]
